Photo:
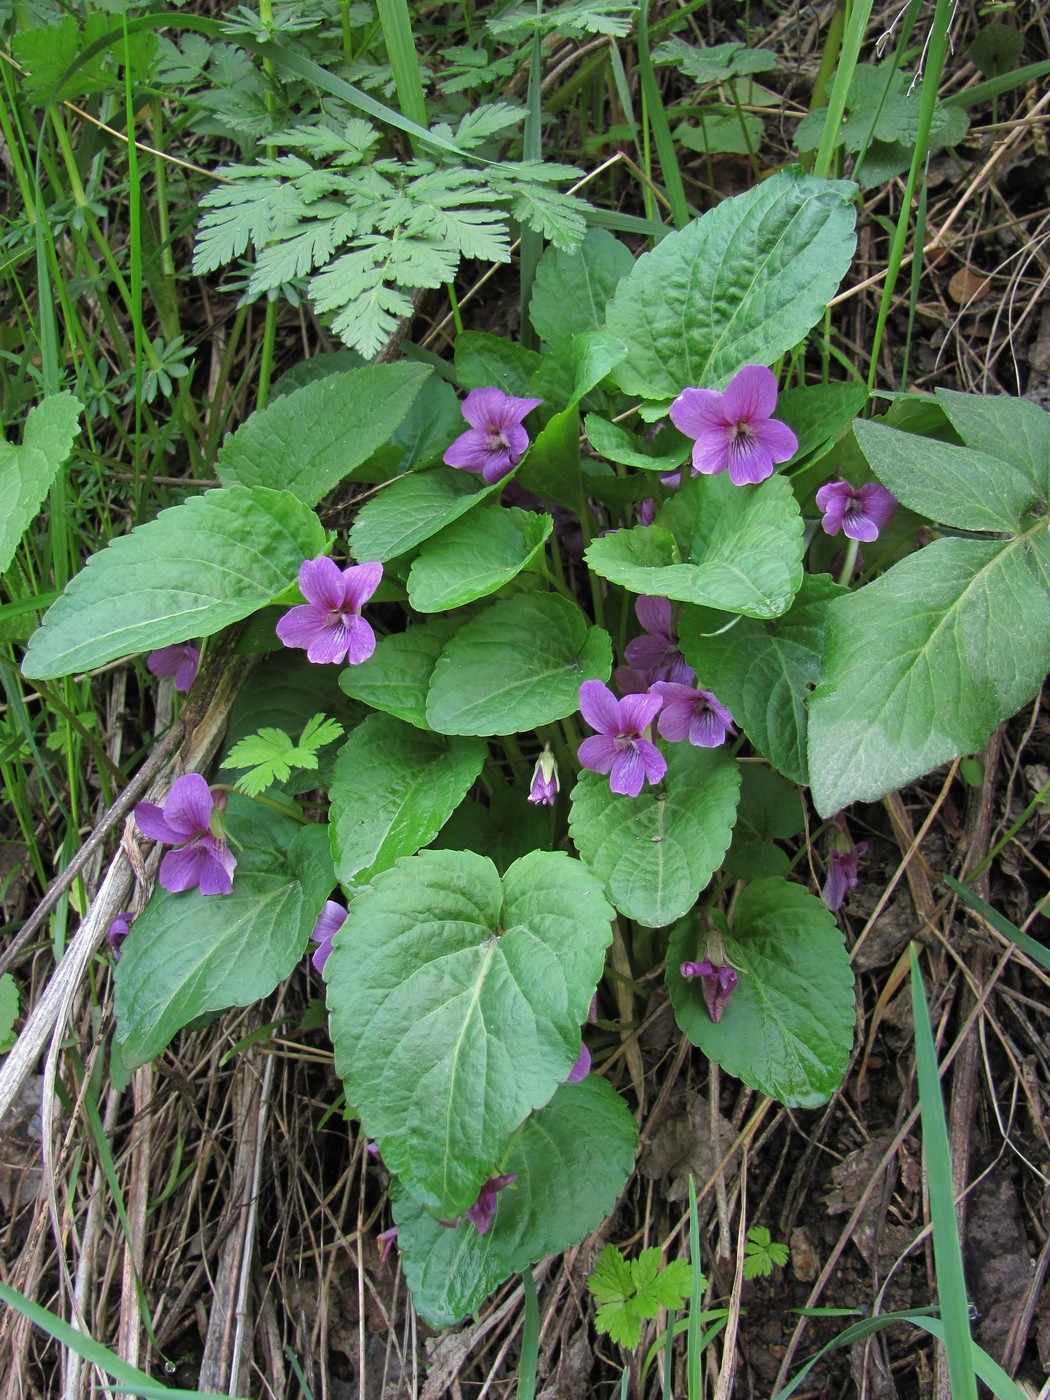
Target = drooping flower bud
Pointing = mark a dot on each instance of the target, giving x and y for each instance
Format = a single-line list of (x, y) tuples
[(718, 980), (544, 787)]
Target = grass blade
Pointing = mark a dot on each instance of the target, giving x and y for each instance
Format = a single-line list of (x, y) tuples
[(1038, 952), (947, 1252), (665, 147), (404, 61), (530, 1339)]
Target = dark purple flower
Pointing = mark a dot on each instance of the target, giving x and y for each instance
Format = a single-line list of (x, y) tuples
[(736, 429), (484, 1208), (582, 1068), (716, 983), (656, 655), (495, 441), (188, 820), (859, 512), (386, 1241), (118, 931), (692, 714), (329, 922), (646, 511), (544, 787), (618, 747), (842, 875), (329, 625), (180, 661)]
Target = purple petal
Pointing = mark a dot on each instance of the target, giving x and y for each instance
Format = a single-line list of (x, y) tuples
[(777, 439), (330, 644), (879, 504), (361, 641), (301, 626), (187, 672), (600, 707), (675, 720), (637, 712), (598, 753), (653, 760), (711, 453), (217, 872), (518, 408), (180, 661), (189, 805), (469, 452), (329, 922), (655, 616), (627, 775), (486, 409), (856, 525), (647, 653), (630, 681), (182, 870), (708, 728), (321, 583), (150, 821), (751, 394), (360, 581), (386, 1240), (718, 989), (696, 412), (749, 462), (581, 1068), (498, 464)]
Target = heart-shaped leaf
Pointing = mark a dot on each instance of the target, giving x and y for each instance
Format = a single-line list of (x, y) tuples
[(455, 1003), (788, 1028), (475, 556), (396, 677), (412, 509), (571, 1159)]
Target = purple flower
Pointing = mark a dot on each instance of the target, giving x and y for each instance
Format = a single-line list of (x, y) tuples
[(495, 441), (716, 983), (736, 429), (386, 1241), (329, 625), (646, 511), (582, 1068), (692, 714), (618, 747), (484, 1208), (187, 820), (842, 875), (180, 661), (655, 656), (544, 787), (329, 922), (859, 512), (118, 931)]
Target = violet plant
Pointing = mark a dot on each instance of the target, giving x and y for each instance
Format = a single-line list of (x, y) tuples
[(482, 841)]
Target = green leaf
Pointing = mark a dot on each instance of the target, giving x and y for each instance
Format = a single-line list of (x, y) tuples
[(665, 454), (1016, 431), (572, 1160), (551, 467), (286, 689), (816, 413), (735, 548), (715, 62), (396, 677), (571, 290), (764, 671), (431, 423), (657, 851), (26, 472), (197, 568), (8, 1012), (483, 360), (740, 285), (508, 828), (271, 755), (475, 556), (455, 1002), (770, 810), (412, 509), (921, 665), (954, 485), (190, 954), (575, 366), (308, 441), (629, 1293), (721, 132), (517, 665), (788, 1028), (393, 790)]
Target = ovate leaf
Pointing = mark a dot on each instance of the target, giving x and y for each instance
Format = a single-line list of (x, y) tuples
[(572, 1160), (197, 568), (475, 556), (394, 789), (571, 290), (788, 1028), (411, 509), (189, 954), (396, 677), (455, 1003), (517, 665), (8, 1012), (308, 441), (740, 285), (26, 472), (657, 851)]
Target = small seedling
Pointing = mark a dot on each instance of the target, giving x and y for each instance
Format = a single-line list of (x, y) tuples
[(762, 1253), (629, 1291)]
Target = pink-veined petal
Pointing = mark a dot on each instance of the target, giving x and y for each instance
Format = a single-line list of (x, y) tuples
[(330, 643), (652, 759), (360, 581), (627, 775), (858, 525), (600, 707), (751, 394), (711, 453), (698, 411), (217, 870), (182, 870), (707, 730), (598, 753), (300, 626), (778, 439), (749, 463), (321, 582), (637, 712)]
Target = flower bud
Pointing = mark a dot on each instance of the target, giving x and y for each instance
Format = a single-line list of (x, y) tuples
[(544, 787)]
